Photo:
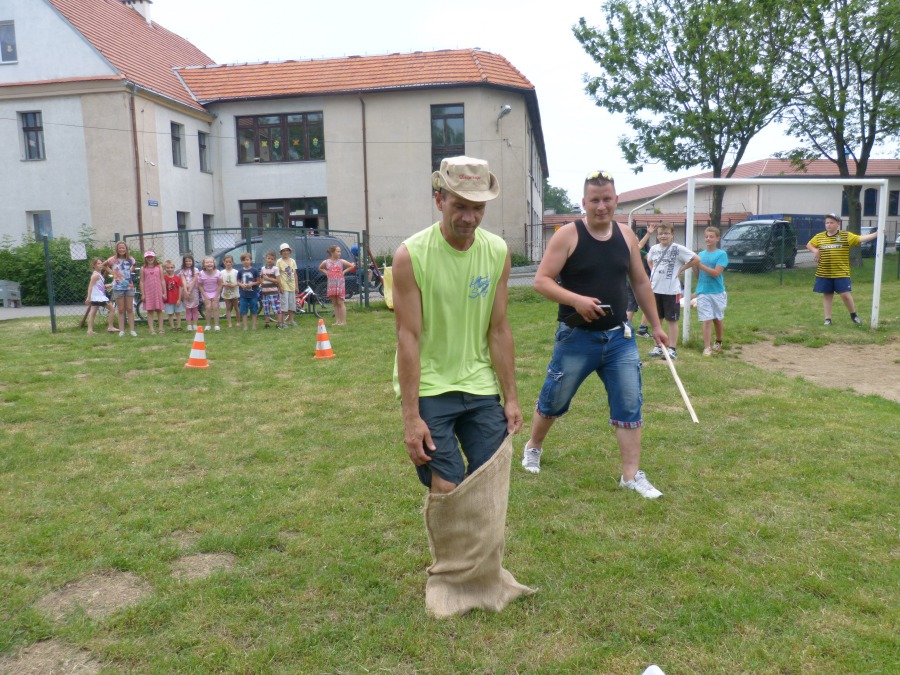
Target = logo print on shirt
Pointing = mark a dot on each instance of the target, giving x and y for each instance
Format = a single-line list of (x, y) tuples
[(478, 287)]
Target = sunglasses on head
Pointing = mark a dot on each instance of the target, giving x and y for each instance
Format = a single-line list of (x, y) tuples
[(605, 175)]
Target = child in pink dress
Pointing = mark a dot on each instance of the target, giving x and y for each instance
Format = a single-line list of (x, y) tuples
[(152, 286), (334, 267), (210, 288), (188, 276)]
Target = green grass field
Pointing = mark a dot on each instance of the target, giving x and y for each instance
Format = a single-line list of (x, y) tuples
[(774, 549)]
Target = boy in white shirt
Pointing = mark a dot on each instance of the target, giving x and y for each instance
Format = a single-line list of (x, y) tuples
[(667, 261)]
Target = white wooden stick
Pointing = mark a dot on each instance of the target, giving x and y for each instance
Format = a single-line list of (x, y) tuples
[(687, 402)]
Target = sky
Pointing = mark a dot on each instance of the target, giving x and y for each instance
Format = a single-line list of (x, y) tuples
[(536, 37)]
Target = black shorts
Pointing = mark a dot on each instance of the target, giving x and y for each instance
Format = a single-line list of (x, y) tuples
[(667, 307)]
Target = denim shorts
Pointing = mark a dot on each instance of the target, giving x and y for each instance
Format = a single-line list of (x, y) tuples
[(249, 305), (457, 419), (122, 293), (830, 286), (576, 354)]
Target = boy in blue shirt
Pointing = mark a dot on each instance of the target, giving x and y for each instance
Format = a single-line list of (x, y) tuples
[(248, 282), (711, 296)]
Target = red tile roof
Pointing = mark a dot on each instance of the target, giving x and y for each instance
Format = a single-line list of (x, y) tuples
[(353, 74), (144, 53), (771, 168)]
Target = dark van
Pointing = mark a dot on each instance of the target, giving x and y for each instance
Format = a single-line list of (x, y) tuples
[(309, 250), (760, 245)]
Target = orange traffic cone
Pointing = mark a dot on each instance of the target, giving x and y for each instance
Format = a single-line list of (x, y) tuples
[(323, 344), (198, 351)]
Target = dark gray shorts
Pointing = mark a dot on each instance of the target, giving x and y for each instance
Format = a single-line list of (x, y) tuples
[(458, 421)]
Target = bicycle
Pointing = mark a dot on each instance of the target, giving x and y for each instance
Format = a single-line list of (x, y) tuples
[(308, 302)]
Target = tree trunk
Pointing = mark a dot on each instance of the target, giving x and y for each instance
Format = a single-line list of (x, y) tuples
[(854, 209)]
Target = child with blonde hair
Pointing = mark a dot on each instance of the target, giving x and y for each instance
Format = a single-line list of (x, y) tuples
[(230, 291), (334, 268), (173, 294), (210, 288), (96, 296)]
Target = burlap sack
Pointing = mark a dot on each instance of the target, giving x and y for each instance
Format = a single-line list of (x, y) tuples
[(466, 531)]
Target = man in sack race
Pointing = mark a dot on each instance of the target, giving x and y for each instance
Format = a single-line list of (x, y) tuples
[(454, 359)]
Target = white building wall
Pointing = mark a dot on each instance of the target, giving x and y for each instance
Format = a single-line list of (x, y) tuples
[(186, 189), (40, 32), (58, 184)]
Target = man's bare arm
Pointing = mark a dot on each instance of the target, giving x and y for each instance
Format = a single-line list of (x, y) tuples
[(408, 315), (500, 343)]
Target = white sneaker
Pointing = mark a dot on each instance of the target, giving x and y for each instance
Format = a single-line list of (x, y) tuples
[(133, 334), (641, 485), (656, 352), (121, 333), (218, 328), (207, 328), (531, 460)]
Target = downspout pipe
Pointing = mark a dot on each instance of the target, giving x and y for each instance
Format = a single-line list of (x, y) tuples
[(362, 104), (137, 169)]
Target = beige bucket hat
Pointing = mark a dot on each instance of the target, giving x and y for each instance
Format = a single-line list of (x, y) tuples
[(466, 177)]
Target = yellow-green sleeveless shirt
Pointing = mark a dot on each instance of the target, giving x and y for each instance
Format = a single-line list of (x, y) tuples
[(458, 289)]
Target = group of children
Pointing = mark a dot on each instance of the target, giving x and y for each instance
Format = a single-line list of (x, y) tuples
[(665, 262), (165, 291)]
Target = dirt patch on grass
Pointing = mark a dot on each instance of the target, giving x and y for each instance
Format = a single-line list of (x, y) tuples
[(867, 369), (184, 540), (50, 656), (98, 594), (202, 565)]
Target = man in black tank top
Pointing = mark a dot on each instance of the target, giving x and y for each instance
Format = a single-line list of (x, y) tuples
[(593, 258)]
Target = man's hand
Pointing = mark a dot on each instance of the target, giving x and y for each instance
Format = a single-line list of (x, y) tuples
[(588, 308), (660, 335), (417, 437), (514, 419)]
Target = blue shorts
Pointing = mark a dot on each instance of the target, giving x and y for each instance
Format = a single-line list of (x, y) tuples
[(576, 354), (476, 423), (249, 305), (831, 286)]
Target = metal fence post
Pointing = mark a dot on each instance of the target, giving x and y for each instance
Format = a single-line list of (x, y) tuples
[(51, 299)]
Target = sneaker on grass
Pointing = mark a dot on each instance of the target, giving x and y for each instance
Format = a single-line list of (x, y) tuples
[(672, 353), (656, 352), (531, 460), (707, 352), (641, 485), (717, 346), (857, 320), (643, 331), (827, 322)]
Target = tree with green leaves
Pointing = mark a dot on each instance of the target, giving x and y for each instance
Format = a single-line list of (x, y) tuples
[(558, 200), (845, 70), (696, 79)]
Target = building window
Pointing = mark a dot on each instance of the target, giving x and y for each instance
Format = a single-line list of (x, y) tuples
[(295, 137), (207, 232), (8, 53), (310, 213), (870, 202), (448, 133), (40, 220), (177, 145), (203, 142), (183, 221), (33, 135), (893, 202)]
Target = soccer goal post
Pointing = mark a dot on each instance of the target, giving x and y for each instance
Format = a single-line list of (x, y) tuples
[(692, 183)]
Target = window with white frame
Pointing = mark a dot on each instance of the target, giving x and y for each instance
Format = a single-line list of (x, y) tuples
[(178, 145), (8, 52), (203, 142), (32, 135)]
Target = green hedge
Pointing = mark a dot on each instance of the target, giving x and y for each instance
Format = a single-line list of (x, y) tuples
[(26, 266)]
